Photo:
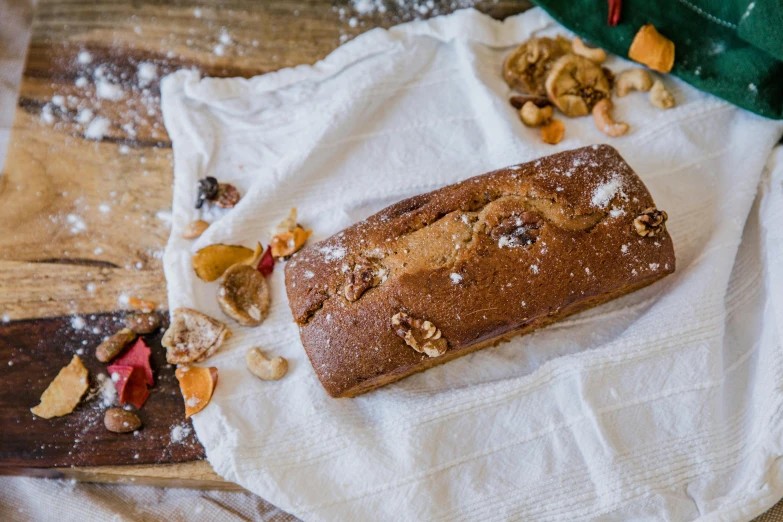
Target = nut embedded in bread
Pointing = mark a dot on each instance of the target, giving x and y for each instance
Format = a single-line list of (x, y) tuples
[(473, 264)]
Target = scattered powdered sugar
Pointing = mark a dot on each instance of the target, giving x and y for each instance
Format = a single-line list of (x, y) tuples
[(616, 212), (534, 269), (97, 128), (78, 322), (364, 7), (84, 116), (309, 275), (193, 402), (179, 432), (455, 278), (106, 90), (46, 114), (225, 38), (147, 73), (332, 253), (624, 249), (605, 192), (77, 223), (106, 389), (84, 57)]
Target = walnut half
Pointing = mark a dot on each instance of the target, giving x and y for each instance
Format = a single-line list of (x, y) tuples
[(420, 335), (363, 276), (651, 222)]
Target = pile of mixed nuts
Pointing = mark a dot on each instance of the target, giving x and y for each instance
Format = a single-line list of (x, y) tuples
[(243, 295), (568, 75)]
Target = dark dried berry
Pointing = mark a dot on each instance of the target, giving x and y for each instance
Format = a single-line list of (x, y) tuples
[(207, 190)]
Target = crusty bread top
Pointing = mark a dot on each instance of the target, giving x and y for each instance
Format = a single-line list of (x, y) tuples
[(477, 259)]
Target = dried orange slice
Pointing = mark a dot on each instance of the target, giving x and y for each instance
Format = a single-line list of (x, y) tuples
[(196, 385)]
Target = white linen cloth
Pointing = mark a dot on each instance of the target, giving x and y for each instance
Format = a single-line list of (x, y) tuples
[(662, 405)]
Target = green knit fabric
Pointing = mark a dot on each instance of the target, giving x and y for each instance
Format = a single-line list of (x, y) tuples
[(730, 48)]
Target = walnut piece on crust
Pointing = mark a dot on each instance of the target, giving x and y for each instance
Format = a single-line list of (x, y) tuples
[(420, 335), (651, 222), (575, 85), (192, 336), (527, 66)]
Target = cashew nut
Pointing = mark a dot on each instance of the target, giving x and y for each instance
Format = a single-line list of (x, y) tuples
[(660, 97), (632, 79), (532, 115), (263, 368), (594, 54), (602, 116)]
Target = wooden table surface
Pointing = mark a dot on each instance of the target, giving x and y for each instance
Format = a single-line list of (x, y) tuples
[(84, 221)]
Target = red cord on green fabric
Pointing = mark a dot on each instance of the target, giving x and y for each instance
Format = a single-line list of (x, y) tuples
[(614, 12)]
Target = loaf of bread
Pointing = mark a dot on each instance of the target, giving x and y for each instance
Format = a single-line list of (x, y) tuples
[(443, 274)]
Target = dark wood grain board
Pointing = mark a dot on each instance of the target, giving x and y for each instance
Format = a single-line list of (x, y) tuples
[(31, 354)]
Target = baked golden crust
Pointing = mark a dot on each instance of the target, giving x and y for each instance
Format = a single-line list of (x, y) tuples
[(480, 261)]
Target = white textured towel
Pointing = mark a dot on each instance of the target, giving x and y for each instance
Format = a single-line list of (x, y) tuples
[(662, 405)]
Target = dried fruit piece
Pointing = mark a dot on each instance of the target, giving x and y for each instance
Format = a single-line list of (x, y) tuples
[(527, 66), (64, 392), (194, 229), (575, 85), (652, 49), (651, 222), (287, 225), (593, 54), (660, 97), (138, 356), (632, 79), (228, 196), (243, 295), (553, 132), (602, 116), (285, 245), (192, 336), (142, 323), (420, 335), (263, 368), (267, 263), (112, 346), (533, 116), (130, 384), (207, 190), (197, 386), (141, 304), (288, 237), (118, 420), (212, 261)]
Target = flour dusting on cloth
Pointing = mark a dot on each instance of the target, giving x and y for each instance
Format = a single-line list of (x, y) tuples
[(663, 404)]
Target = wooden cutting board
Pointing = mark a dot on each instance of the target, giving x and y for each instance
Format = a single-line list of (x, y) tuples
[(84, 221)]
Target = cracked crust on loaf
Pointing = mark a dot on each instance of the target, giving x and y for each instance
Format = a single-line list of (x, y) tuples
[(483, 260)]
